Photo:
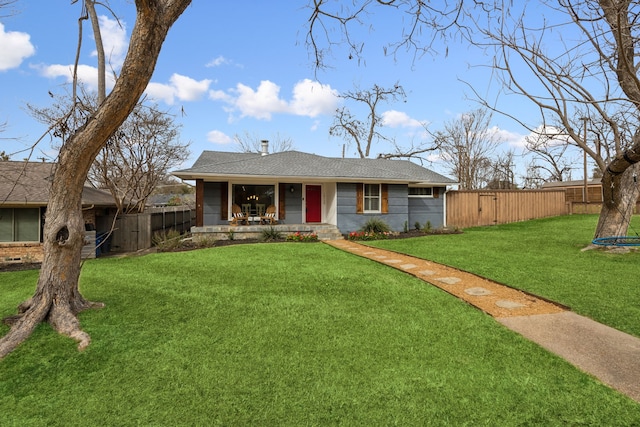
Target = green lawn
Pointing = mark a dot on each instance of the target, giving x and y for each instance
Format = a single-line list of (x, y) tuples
[(285, 334), (544, 257)]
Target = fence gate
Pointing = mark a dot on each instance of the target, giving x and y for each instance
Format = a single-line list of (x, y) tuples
[(135, 231), (487, 209)]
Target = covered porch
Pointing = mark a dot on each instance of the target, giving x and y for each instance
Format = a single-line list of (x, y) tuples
[(254, 231)]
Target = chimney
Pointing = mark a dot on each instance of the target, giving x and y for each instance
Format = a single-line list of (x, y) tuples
[(264, 144)]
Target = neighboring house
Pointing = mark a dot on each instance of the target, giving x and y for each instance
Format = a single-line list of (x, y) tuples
[(311, 189), (24, 193), (575, 190), (582, 199)]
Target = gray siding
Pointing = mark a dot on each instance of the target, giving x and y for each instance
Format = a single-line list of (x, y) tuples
[(423, 209), (349, 220)]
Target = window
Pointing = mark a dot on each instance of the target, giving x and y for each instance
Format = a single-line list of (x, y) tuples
[(253, 199), (19, 225), (421, 191), (371, 197)]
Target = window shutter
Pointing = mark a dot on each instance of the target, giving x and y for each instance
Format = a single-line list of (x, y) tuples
[(224, 201), (199, 203), (359, 197), (282, 191), (384, 201), (436, 192)]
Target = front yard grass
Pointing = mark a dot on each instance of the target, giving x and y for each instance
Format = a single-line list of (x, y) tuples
[(285, 334), (544, 257)]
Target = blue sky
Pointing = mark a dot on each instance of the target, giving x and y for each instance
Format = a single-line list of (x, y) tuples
[(242, 67)]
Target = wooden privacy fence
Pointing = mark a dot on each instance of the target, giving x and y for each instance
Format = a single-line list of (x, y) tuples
[(135, 231), (490, 207)]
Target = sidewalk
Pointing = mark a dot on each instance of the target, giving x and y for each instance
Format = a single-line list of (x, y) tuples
[(606, 353)]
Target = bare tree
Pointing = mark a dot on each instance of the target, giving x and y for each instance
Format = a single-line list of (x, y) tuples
[(467, 145), (135, 159), (501, 175), (138, 157), (57, 298), (4, 4), (551, 160), (586, 83), (363, 133), (251, 143), (426, 23)]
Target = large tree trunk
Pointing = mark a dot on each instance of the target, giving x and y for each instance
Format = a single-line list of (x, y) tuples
[(57, 298), (619, 194)]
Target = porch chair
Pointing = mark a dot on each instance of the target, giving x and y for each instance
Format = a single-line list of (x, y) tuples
[(238, 216), (269, 216)]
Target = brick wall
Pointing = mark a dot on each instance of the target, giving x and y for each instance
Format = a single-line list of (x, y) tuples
[(21, 252)]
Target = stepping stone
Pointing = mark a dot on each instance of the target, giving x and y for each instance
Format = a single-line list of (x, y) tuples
[(393, 261), (368, 253), (449, 280), (427, 272), (408, 266), (503, 303), (380, 256), (477, 292)]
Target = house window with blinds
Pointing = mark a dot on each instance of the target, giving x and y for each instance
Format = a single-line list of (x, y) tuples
[(371, 197)]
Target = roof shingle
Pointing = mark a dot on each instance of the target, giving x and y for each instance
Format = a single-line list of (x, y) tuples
[(295, 164)]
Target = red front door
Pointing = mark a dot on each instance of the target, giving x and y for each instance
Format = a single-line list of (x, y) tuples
[(313, 199)]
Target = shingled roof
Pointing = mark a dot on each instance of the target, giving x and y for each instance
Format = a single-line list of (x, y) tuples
[(29, 183), (300, 166)]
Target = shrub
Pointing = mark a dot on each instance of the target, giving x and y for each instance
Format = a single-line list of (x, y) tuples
[(298, 237), (166, 240), (271, 234), (427, 227), (375, 225), (417, 225)]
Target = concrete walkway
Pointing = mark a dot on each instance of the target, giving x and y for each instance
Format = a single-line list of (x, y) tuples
[(606, 353)]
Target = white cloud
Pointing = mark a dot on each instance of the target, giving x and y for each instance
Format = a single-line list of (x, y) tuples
[(217, 62), (114, 41), (219, 95), (87, 74), (161, 92), (181, 87), (394, 119), (261, 103), (188, 89), (309, 99), (218, 137), (547, 135), (14, 48), (312, 99)]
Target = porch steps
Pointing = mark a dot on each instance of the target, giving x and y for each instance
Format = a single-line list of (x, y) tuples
[(328, 232)]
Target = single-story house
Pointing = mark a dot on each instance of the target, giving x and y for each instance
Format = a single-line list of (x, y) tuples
[(24, 193), (308, 190)]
